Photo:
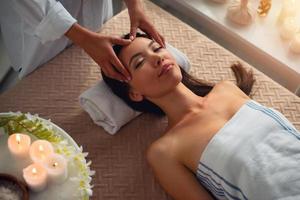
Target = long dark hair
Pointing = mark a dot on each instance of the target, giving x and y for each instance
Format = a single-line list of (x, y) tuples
[(244, 79)]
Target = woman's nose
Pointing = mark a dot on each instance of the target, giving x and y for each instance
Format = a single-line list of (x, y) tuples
[(160, 60), (157, 59)]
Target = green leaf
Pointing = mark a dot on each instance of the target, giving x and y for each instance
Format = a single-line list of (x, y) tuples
[(16, 123)]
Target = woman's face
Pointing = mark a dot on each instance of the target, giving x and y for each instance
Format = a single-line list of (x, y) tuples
[(153, 70)]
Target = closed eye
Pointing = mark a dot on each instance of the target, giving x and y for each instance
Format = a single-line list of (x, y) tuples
[(139, 63), (157, 49)]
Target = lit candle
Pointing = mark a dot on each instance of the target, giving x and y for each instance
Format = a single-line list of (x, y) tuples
[(40, 150), (56, 166), (35, 175), (19, 144), (295, 43), (288, 28)]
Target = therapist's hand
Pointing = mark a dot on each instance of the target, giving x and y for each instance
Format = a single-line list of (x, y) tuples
[(139, 20), (99, 48)]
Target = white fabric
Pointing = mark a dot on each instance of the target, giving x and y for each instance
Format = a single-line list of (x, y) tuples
[(108, 110), (255, 155), (33, 30)]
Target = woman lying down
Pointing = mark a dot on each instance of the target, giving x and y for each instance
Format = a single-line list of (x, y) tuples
[(219, 143)]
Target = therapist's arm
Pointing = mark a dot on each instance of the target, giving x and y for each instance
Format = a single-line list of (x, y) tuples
[(138, 19), (50, 21), (99, 47)]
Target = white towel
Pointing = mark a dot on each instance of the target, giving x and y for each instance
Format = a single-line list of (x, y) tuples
[(255, 155), (108, 110), (105, 108)]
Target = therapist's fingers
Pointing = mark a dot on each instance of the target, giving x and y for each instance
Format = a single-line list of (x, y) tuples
[(104, 71), (147, 27), (157, 37), (163, 39), (109, 71), (120, 41), (133, 30), (120, 67), (117, 66), (113, 67)]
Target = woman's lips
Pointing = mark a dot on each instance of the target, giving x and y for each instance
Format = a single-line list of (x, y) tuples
[(164, 69)]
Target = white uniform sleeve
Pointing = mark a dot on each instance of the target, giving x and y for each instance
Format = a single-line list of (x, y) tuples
[(48, 18)]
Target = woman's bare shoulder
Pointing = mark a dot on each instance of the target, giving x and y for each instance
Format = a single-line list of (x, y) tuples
[(226, 83), (162, 148), (228, 87)]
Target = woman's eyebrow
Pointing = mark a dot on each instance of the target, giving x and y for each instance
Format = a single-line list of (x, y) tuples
[(138, 54)]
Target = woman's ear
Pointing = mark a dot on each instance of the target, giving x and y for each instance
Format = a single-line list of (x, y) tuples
[(135, 96)]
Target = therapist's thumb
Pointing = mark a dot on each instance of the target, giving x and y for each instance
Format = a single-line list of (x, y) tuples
[(120, 41), (133, 30)]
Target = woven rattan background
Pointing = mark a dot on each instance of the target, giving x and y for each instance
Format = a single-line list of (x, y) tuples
[(121, 170)]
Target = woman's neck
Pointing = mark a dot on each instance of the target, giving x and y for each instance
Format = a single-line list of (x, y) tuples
[(179, 103)]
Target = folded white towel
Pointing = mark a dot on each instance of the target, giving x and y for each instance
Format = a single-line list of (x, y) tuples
[(108, 110)]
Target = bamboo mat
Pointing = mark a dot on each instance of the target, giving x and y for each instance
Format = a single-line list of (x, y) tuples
[(121, 170)]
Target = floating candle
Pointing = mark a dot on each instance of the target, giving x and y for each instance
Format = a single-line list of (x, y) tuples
[(19, 144), (40, 150), (56, 166), (35, 175)]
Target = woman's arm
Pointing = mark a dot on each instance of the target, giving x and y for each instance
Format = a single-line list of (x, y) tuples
[(173, 176)]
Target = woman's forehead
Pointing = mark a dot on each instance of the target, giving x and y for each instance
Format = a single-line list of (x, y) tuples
[(136, 46)]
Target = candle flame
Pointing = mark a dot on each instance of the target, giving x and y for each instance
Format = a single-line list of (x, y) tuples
[(34, 171), (41, 148), (18, 138), (55, 164)]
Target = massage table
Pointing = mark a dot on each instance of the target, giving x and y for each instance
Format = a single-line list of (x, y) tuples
[(122, 172)]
